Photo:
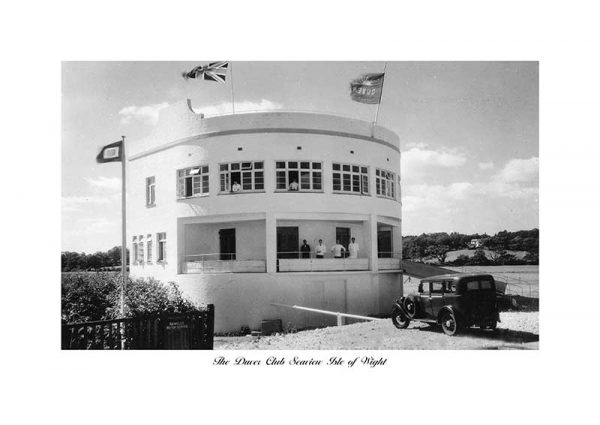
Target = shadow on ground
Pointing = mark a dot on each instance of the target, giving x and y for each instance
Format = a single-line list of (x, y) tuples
[(500, 335)]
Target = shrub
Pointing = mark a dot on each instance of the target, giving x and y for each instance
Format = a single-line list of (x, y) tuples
[(97, 296)]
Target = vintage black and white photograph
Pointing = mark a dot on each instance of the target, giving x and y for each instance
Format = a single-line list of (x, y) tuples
[(300, 205)]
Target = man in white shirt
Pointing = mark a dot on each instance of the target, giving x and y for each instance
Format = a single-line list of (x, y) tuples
[(353, 249), (320, 249), (337, 249), (236, 187)]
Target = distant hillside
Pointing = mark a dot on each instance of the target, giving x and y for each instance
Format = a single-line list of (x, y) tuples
[(503, 248)]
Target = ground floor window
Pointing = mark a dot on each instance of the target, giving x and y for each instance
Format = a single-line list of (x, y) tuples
[(140, 250), (161, 252), (298, 176), (134, 250), (149, 248)]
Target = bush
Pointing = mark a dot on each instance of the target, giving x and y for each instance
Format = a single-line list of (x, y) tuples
[(97, 296)]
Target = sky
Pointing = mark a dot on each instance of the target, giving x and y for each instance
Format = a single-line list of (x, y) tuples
[(468, 133)]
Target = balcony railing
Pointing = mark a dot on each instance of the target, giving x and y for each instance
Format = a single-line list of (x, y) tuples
[(389, 260), (221, 263), (307, 262)]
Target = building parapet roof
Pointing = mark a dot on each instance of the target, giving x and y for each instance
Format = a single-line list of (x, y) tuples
[(179, 123)]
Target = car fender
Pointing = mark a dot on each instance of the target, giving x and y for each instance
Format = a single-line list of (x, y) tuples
[(399, 303), (450, 309)]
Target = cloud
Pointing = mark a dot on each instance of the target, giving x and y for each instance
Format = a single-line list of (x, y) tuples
[(520, 171), (485, 165), (75, 203), (420, 160), (108, 183), (146, 114), (243, 106)]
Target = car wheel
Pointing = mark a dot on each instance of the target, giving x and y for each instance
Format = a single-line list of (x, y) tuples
[(411, 307), (399, 319), (449, 323)]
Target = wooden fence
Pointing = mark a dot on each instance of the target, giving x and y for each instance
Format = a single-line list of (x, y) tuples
[(181, 331)]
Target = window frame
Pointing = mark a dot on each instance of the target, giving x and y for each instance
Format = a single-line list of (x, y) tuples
[(149, 248), (311, 170), (150, 191), (389, 186), (241, 170), (161, 247), (140, 250), (182, 183), (134, 249), (360, 174)]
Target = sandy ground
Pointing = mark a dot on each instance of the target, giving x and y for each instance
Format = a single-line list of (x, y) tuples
[(516, 331)]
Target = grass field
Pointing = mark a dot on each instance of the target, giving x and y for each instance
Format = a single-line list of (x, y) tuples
[(521, 280)]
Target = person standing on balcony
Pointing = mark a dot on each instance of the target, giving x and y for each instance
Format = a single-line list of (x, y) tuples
[(320, 249), (337, 249), (305, 249), (353, 249)]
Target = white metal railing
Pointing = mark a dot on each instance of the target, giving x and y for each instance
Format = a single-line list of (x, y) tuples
[(389, 260), (221, 263)]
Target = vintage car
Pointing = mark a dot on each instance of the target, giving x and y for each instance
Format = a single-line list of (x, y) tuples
[(455, 301)]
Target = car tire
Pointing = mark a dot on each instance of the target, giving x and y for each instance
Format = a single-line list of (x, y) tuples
[(449, 323), (410, 306), (399, 319)]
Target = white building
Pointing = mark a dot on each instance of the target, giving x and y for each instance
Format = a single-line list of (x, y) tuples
[(238, 246)]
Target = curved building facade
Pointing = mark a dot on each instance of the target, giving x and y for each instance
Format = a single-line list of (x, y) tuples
[(221, 206)]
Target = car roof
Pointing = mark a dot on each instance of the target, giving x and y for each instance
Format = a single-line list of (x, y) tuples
[(456, 276)]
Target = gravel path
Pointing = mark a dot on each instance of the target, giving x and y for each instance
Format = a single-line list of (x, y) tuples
[(516, 331)]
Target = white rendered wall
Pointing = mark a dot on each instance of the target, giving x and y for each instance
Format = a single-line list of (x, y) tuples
[(245, 299), (183, 139)]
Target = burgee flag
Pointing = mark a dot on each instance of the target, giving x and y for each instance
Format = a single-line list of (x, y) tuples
[(111, 153), (367, 88), (215, 71)]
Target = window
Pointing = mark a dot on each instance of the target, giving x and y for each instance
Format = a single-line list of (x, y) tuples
[(140, 250), (150, 191), (301, 176), (242, 176), (486, 285), (192, 181), (385, 183), (149, 249), (437, 287), (350, 178), (161, 252), (473, 285), (134, 257)]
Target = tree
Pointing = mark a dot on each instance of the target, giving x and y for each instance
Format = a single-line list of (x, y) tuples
[(438, 251), (479, 258)]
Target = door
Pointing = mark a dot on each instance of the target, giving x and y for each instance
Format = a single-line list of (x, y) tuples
[(436, 297), (227, 244), (342, 234), (287, 242), (384, 243)]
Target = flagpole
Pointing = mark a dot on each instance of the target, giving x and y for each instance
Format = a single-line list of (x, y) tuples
[(123, 228), (232, 99), (379, 103)]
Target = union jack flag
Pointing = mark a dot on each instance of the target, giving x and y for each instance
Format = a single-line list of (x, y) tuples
[(215, 71)]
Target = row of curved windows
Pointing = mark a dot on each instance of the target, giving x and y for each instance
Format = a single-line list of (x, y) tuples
[(290, 176)]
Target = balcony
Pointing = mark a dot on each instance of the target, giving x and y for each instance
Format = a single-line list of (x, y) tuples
[(322, 264), (211, 263), (388, 260)]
